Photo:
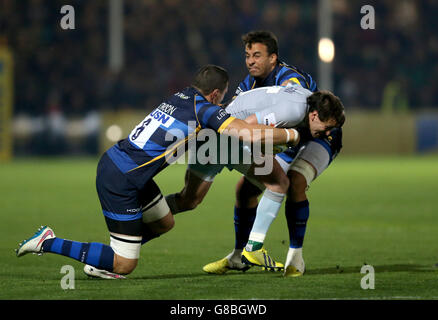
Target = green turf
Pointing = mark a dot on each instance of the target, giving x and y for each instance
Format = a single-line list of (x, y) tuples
[(378, 211)]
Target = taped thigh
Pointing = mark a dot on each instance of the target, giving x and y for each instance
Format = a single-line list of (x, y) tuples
[(311, 161), (125, 246), (155, 210)]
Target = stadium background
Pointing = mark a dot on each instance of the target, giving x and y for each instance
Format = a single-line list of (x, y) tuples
[(60, 93), (66, 94)]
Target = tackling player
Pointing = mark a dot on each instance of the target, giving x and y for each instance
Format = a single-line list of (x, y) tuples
[(134, 209)]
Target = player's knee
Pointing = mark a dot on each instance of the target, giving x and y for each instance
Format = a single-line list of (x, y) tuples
[(189, 200), (163, 225), (283, 183), (181, 202), (123, 265), (169, 224), (298, 184), (280, 184), (246, 192)]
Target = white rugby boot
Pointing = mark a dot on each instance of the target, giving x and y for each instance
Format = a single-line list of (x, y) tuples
[(294, 266), (99, 273), (35, 243)]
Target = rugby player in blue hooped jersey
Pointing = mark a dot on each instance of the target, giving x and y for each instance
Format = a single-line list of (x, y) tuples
[(133, 207), (302, 166)]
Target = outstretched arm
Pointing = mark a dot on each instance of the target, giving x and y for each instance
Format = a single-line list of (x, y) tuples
[(258, 133)]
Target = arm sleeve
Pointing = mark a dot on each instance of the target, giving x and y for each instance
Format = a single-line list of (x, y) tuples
[(213, 117)]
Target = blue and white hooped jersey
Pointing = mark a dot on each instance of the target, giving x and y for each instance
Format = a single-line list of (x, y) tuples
[(281, 73), (177, 119)]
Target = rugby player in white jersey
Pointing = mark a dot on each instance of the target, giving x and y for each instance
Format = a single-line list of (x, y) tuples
[(313, 114), (265, 68)]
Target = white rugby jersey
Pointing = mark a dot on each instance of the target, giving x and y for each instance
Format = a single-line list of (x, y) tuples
[(278, 106)]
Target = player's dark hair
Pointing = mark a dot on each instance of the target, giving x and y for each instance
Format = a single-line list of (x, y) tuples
[(211, 77), (328, 106), (265, 37)]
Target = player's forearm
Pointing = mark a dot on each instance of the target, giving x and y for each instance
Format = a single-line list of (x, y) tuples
[(264, 134), (258, 133)]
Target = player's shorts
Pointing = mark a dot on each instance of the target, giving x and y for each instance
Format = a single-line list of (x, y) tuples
[(127, 209)]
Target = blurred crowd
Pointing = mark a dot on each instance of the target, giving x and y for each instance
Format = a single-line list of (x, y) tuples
[(166, 41), (65, 72), (398, 57)]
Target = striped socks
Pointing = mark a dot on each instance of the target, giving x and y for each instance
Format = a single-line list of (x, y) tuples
[(96, 254)]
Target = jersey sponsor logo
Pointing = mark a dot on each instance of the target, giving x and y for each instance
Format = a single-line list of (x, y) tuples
[(222, 113), (181, 95), (160, 116), (142, 133), (167, 108)]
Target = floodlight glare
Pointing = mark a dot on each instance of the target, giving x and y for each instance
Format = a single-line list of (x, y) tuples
[(326, 50), (114, 133)]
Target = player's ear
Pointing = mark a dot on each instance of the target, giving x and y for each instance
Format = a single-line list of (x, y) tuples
[(214, 95), (313, 115), (273, 58)]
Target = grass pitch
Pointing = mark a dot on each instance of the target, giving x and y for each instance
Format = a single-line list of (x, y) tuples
[(376, 211)]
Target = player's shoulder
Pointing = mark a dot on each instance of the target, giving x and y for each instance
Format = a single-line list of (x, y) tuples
[(283, 66), (288, 72)]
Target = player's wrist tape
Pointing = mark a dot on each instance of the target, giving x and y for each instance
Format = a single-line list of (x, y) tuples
[(288, 135), (296, 134)]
